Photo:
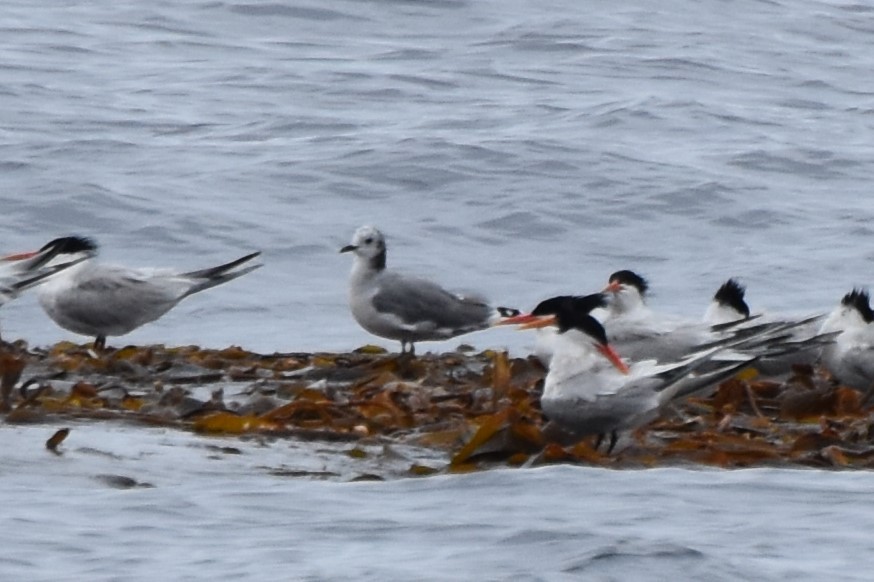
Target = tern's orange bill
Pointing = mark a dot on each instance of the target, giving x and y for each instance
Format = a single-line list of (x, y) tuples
[(538, 321), (614, 358), (612, 287), (19, 256), (521, 318)]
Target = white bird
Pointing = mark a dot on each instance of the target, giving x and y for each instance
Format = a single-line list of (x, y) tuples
[(100, 300), (637, 332), (729, 311), (640, 333), (850, 358), (405, 308), (22, 271), (590, 390), (728, 305)]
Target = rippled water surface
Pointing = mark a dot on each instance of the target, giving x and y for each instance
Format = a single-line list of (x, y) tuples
[(515, 148), (199, 513)]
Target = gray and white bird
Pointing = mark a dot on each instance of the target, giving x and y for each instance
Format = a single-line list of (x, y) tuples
[(850, 358), (590, 390), (101, 300), (641, 333), (409, 309), (729, 304), (22, 271)]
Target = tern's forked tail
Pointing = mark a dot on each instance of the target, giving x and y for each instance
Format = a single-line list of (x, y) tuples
[(207, 278)]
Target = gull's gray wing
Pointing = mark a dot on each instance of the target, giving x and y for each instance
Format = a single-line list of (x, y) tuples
[(418, 302)]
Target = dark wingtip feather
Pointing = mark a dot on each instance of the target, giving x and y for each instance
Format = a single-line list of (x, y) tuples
[(731, 294), (861, 302)]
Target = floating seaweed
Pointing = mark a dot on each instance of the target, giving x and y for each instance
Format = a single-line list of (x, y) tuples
[(478, 410)]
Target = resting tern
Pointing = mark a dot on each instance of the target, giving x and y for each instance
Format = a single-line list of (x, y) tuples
[(590, 390), (850, 358), (729, 309), (25, 270), (100, 300), (728, 305), (401, 307)]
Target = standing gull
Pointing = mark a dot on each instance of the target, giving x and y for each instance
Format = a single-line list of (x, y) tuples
[(405, 308), (105, 300)]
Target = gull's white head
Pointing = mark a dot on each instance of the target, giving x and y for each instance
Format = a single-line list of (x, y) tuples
[(369, 245), (854, 312)]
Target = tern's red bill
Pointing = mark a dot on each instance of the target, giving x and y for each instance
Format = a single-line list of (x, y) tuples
[(19, 256), (614, 358)]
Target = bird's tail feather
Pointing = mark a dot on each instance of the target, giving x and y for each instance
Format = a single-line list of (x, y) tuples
[(207, 278)]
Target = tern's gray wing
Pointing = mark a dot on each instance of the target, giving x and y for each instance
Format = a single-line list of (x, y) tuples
[(116, 301), (418, 302), (642, 344)]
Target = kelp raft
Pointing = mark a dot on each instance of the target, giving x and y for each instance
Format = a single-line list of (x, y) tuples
[(464, 410)]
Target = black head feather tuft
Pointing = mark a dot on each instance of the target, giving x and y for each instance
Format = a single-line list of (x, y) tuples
[(627, 277), (860, 301), (572, 319), (71, 245), (572, 312), (731, 294), (583, 304)]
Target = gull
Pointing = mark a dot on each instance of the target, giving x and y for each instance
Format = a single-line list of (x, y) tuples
[(99, 300), (406, 308)]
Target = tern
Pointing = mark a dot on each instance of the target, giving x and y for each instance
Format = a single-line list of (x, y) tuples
[(850, 358), (101, 300), (639, 333), (590, 390), (405, 308), (22, 271), (728, 305)]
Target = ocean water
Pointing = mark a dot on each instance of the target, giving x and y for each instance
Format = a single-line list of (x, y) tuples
[(518, 149), (119, 505)]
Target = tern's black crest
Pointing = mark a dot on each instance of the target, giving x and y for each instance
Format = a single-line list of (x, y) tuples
[(572, 312), (71, 245), (581, 304), (627, 277), (731, 294), (858, 299), (569, 318)]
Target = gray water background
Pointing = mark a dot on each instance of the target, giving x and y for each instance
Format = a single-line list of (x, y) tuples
[(520, 149), (517, 149)]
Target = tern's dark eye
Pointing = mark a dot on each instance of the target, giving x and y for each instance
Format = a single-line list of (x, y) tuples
[(368, 240)]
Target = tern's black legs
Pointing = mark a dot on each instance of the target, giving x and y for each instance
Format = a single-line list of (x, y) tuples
[(614, 436)]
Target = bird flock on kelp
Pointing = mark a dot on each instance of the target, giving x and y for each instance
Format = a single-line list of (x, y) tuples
[(613, 364)]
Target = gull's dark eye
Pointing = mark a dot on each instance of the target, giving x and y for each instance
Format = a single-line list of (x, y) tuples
[(368, 240)]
